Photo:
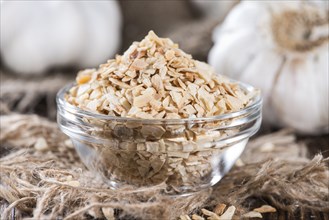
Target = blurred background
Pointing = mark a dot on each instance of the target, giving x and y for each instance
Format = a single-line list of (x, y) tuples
[(51, 41), (280, 47)]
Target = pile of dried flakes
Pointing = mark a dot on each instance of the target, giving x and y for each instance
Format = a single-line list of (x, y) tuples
[(154, 79)]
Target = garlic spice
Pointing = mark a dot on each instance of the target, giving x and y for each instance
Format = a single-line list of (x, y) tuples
[(154, 79), (155, 115), (282, 48)]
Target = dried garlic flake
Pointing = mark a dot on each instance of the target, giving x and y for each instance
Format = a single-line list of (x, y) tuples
[(156, 70)]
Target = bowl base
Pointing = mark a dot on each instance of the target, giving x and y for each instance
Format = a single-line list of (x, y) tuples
[(221, 164)]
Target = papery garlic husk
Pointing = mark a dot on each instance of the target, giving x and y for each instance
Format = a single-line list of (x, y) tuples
[(282, 48)]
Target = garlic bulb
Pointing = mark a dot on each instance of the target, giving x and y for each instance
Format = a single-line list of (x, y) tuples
[(282, 48), (38, 35)]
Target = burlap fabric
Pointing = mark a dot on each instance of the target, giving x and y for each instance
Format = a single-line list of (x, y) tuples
[(38, 182), (49, 182)]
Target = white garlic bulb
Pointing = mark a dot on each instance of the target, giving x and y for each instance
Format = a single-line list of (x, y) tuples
[(38, 35), (282, 48)]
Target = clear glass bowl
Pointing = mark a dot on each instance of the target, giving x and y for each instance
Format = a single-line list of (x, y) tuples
[(187, 154)]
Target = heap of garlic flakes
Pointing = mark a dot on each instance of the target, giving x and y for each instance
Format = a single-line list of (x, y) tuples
[(154, 79)]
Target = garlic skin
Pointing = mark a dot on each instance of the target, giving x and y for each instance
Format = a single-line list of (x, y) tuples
[(38, 35), (281, 48)]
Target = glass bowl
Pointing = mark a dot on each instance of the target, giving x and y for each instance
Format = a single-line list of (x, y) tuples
[(188, 155)]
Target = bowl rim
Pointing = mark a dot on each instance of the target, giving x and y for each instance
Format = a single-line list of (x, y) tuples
[(62, 104)]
